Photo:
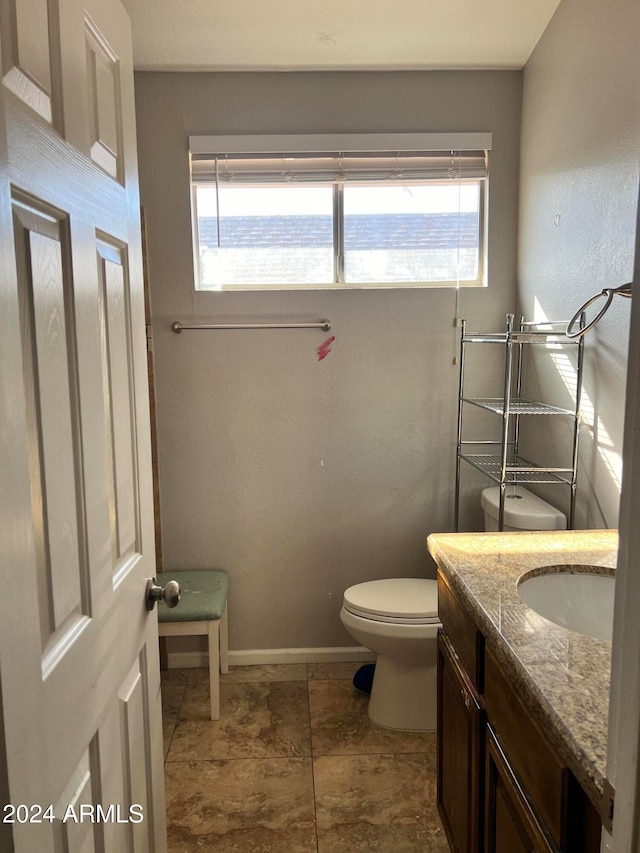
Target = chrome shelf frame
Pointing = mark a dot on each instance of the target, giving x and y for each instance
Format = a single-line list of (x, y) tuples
[(505, 466)]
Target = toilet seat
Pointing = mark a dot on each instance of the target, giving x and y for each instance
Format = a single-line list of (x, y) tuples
[(409, 601)]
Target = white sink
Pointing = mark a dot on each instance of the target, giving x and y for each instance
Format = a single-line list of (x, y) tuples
[(579, 598)]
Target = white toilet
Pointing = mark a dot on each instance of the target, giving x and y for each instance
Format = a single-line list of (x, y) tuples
[(522, 511), (398, 620)]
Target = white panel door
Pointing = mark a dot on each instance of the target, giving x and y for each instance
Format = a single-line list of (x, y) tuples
[(81, 748)]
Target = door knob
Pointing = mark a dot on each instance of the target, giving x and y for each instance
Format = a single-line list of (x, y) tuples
[(170, 593)]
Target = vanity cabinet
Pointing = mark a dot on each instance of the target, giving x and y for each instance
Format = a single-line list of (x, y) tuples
[(502, 788), (460, 750)]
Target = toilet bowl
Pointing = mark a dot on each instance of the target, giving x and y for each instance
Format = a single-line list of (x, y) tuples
[(397, 618)]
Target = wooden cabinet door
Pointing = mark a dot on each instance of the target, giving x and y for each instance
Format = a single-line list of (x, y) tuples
[(510, 824), (460, 747)]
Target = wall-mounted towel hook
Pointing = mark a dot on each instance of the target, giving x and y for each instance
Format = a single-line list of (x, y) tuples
[(608, 293)]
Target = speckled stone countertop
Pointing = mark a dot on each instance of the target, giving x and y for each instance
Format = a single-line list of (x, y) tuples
[(563, 676)]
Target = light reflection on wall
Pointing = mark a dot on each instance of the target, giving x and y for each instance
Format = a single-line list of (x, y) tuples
[(611, 458)]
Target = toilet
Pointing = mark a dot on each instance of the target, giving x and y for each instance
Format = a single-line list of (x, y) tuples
[(397, 618), (522, 511)]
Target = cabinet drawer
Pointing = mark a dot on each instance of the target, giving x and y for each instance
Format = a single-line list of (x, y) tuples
[(462, 633), (529, 753)]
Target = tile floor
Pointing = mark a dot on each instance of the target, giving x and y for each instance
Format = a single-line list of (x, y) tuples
[(293, 766)]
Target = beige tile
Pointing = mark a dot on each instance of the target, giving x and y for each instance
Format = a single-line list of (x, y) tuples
[(173, 686), (340, 724), (171, 702), (333, 671), (241, 806), (266, 672), (260, 720), (174, 677), (384, 803), (168, 728), (172, 697)]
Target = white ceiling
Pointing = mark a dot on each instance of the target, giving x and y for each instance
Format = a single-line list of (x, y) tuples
[(310, 35)]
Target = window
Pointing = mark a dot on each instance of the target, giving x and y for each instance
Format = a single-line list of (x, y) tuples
[(340, 218)]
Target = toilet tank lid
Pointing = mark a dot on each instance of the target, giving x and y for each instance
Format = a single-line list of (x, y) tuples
[(408, 598), (522, 509)]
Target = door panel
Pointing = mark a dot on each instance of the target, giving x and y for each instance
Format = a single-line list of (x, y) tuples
[(72, 834), (117, 370), (26, 66), (104, 109), (78, 650), (51, 419), (134, 747)]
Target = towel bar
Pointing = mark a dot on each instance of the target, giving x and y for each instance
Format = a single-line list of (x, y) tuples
[(325, 325)]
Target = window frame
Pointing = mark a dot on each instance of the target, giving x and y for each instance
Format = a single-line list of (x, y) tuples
[(250, 145)]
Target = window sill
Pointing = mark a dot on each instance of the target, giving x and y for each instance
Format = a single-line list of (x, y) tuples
[(302, 288)]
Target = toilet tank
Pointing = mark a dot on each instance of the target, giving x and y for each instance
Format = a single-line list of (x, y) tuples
[(522, 511)]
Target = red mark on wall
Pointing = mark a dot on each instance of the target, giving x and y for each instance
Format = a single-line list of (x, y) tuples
[(325, 348)]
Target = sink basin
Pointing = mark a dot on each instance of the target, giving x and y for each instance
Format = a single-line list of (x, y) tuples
[(579, 598)]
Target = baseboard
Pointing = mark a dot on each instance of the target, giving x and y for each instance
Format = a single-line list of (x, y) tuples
[(254, 657)]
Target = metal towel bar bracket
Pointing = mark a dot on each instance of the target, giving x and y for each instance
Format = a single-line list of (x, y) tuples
[(608, 293), (325, 325)]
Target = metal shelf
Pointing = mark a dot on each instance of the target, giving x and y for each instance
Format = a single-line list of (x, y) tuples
[(528, 333), (517, 470), (517, 406), (506, 467)]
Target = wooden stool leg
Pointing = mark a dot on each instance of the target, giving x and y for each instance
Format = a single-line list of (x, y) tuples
[(224, 642), (214, 667)]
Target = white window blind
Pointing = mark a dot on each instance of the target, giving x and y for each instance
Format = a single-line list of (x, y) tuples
[(338, 167)]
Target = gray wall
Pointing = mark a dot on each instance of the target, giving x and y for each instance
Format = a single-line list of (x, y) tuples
[(580, 154), (303, 477)]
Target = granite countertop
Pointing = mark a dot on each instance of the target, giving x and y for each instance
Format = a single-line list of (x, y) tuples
[(563, 676)]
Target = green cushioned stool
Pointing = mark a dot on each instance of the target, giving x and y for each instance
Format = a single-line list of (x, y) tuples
[(202, 611)]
